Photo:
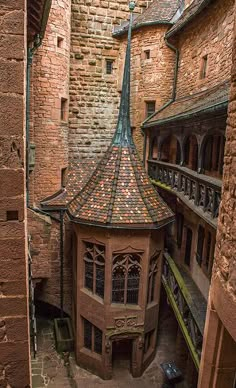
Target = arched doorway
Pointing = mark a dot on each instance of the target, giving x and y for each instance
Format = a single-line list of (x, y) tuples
[(191, 152)]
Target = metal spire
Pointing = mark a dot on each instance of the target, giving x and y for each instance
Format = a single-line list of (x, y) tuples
[(123, 135)]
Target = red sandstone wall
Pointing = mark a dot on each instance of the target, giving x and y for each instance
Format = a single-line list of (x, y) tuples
[(219, 349), (211, 33), (94, 95), (225, 261), (14, 335), (151, 79), (50, 80)]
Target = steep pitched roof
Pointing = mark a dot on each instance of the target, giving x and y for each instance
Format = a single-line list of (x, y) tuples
[(119, 193), (214, 98), (190, 12), (159, 12)]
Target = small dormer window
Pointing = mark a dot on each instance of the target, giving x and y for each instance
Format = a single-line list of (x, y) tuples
[(204, 65)]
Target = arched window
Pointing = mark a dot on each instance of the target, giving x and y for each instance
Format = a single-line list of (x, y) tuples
[(125, 278), (94, 268), (153, 269)]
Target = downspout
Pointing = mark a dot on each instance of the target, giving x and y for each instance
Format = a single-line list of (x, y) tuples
[(61, 260), (30, 53), (173, 97)]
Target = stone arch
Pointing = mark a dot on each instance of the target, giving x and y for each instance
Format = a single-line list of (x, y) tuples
[(191, 152), (154, 149), (212, 153), (170, 150)]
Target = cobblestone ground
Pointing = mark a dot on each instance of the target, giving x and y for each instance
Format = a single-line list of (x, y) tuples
[(50, 370)]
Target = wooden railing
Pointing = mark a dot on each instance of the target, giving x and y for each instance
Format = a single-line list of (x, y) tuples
[(181, 303), (201, 190)]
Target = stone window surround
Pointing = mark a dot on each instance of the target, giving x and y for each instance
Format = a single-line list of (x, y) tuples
[(96, 260), (91, 348), (126, 265)]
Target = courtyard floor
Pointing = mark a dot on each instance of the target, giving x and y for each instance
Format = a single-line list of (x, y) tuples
[(49, 369)]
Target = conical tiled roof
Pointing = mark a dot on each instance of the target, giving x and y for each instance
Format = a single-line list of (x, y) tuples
[(119, 192)]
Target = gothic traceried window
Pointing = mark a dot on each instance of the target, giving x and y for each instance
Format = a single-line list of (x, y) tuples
[(94, 268), (125, 278), (152, 280)]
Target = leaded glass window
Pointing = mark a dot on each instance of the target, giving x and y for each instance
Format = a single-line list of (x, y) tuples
[(92, 337), (94, 268), (97, 340), (125, 278), (87, 334), (152, 279)]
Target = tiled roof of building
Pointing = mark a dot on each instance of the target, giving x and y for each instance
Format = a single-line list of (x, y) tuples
[(190, 12), (79, 173), (159, 12), (119, 193), (185, 107)]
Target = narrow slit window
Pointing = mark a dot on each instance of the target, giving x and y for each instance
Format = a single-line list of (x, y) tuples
[(63, 109), (60, 42), (150, 108), (109, 66), (147, 54), (204, 67), (63, 177), (12, 215)]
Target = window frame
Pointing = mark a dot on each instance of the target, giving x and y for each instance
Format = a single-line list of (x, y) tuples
[(124, 262), (93, 253), (109, 62), (149, 111), (93, 346)]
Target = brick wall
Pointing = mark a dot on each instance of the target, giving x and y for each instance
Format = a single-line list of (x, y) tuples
[(211, 33), (14, 335), (50, 77), (94, 95)]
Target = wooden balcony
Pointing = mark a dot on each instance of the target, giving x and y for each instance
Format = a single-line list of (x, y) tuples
[(195, 189), (188, 305)]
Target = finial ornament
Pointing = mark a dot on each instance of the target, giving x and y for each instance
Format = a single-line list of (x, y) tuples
[(132, 5)]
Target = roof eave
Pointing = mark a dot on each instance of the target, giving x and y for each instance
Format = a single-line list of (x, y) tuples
[(141, 226), (185, 116), (117, 34), (181, 26)]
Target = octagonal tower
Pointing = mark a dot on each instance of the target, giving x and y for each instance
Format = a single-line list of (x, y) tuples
[(119, 222)]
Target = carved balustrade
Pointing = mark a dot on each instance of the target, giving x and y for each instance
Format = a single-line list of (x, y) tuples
[(201, 190), (181, 304)]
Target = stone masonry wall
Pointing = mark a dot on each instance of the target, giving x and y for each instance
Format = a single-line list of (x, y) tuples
[(94, 95), (211, 33), (225, 260), (14, 330), (151, 79), (50, 83)]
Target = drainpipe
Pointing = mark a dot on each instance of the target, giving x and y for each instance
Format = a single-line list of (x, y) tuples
[(31, 50), (173, 97), (61, 259)]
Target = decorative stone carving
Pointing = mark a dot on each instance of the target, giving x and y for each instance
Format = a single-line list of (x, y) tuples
[(125, 322)]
